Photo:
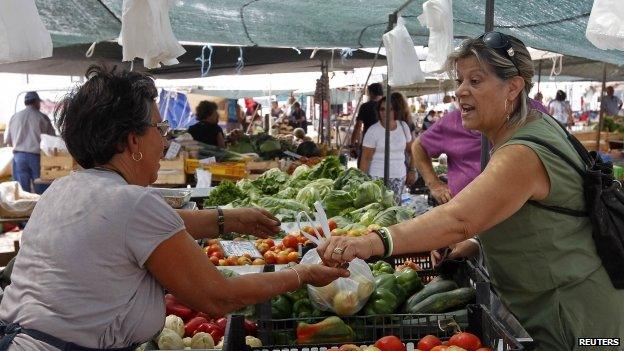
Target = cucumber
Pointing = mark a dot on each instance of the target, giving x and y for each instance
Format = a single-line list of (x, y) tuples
[(444, 301), (434, 287)]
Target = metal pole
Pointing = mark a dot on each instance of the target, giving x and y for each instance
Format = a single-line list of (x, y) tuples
[(392, 19), (602, 104), (489, 26), (539, 75)]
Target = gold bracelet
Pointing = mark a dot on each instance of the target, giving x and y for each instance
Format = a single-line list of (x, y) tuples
[(298, 276)]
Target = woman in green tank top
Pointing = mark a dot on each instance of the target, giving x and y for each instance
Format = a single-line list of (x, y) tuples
[(543, 264)]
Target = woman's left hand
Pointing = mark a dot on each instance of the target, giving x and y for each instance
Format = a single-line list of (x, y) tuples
[(251, 221)]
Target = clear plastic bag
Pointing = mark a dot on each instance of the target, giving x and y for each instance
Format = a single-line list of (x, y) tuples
[(403, 65), (344, 296)]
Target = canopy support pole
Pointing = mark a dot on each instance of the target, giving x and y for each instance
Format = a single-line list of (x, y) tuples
[(539, 75), (489, 26), (392, 19), (602, 105)]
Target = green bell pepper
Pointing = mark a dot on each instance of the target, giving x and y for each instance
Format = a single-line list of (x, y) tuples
[(281, 308), (297, 295), (382, 267), (409, 280), (387, 296)]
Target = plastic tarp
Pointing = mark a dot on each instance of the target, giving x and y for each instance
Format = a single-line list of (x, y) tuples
[(175, 108), (554, 25)]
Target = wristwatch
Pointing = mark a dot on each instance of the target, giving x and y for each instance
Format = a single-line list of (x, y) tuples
[(220, 218)]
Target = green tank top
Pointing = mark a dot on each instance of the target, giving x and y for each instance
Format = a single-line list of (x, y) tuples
[(536, 250)]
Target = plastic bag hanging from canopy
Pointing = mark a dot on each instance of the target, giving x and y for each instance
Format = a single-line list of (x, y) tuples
[(23, 37), (146, 33), (605, 27), (403, 65), (438, 17)]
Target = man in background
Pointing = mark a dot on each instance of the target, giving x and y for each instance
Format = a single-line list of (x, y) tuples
[(366, 117), (612, 104), (24, 135)]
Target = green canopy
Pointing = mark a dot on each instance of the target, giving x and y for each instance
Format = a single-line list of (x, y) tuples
[(554, 25)]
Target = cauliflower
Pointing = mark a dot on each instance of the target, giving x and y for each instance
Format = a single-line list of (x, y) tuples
[(170, 340), (175, 323), (219, 346), (187, 341), (202, 341), (252, 341)]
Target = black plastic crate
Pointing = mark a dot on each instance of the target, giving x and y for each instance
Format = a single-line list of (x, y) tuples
[(281, 334)]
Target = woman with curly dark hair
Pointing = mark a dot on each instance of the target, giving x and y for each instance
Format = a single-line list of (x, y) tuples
[(207, 130), (101, 247)]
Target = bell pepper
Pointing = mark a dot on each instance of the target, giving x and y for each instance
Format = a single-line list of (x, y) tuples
[(329, 330), (387, 296), (409, 280), (302, 309), (297, 295), (281, 308), (382, 267)]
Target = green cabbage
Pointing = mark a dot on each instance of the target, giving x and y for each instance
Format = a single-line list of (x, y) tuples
[(336, 201), (356, 215), (388, 199), (271, 181), (287, 193), (274, 204), (394, 215), (308, 195), (330, 168), (367, 192)]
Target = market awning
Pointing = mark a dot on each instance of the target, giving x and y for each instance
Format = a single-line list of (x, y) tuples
[(577, 69), (71, 60), (554, 25)]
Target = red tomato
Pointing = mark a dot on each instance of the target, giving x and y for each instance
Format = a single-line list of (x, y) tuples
[(332, 224), (282, 257), (467, 341), (270, 257), (301, 239), (390, 343), (428, 342), (217, 254), (320, 230), (179, 310), (290, 241), (440, 348), (446, 343), (191, 325), (269, 242), (293, 257), (222, 323), (251, 328), (214, 260), (213, 248)]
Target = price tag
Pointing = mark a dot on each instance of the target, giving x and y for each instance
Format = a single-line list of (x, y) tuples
[(207, 161), (239, 248), (173, 151)]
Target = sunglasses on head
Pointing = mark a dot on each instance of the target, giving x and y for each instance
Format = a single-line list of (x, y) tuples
[(163, 127), (501, 43)]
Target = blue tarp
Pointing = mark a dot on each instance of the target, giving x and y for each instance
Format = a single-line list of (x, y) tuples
[(175, 109)]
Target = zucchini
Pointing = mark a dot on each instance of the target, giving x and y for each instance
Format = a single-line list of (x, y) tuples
[(441, 302), (434, 287)]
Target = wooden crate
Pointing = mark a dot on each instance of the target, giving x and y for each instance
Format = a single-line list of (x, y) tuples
[(171, 172), (56, 166), (588, 139)]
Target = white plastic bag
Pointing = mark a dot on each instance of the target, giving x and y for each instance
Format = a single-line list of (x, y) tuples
[(50, 143), (403, 64), (23, 37), (146, 33), (438, 17), (343, 296), (605, 27), (15, 202)]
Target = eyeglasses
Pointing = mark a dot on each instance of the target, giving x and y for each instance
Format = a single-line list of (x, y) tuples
[(163, 127), (501, 43)]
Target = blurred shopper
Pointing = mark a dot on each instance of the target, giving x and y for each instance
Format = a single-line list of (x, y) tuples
[(24, 135), (366, 117), (235, 116), (561, 110), (207, 129), (612, 103), (298, 117)]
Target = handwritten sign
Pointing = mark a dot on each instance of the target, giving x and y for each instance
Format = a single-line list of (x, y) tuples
[(239, 248), (173, 151)]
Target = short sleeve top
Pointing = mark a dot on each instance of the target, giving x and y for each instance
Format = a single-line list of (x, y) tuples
[(206, 133), (80, 274), (375, 138)]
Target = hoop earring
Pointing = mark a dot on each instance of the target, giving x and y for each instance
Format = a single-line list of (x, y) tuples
[(140, 157), (508, 115)]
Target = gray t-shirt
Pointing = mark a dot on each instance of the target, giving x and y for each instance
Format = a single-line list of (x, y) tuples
[(25, 129), (80, 272)]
